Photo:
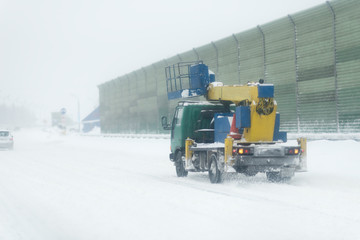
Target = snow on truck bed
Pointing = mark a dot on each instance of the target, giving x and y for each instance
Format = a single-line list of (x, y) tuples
[(78, 187)]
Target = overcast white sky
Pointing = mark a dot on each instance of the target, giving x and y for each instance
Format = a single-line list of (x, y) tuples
[(54, 50)]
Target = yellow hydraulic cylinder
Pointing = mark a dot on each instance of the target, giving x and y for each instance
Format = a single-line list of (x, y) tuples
[(229, 141)]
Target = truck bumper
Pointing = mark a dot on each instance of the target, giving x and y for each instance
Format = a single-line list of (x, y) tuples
[(267, 164)]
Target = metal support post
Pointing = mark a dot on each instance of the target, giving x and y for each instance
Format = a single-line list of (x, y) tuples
[(264, 49), (238, 56), (145, 74), (217, 57), (296, 74), (178, 55), (335, 67), (197, 54)]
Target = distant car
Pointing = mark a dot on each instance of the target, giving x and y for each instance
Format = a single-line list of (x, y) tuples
[(6, 139)]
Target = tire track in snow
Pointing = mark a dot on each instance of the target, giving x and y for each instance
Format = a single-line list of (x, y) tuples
[(223, 189)]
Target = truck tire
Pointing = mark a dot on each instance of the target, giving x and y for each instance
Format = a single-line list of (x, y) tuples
[(180, 165), (214, 172)]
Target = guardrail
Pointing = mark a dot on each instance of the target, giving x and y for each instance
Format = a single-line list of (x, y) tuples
[(291, 136), (325, 136), (118, 135)]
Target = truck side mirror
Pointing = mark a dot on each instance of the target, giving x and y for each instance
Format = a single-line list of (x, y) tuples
[(165, 124)]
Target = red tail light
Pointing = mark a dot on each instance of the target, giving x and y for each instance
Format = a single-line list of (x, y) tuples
[(292, 151), (244, 151)]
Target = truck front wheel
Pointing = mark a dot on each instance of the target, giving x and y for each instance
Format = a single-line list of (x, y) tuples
[(214, 172), (180, 165)]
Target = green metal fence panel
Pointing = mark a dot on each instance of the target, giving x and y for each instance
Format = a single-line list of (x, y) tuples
[(227, 49), (188, 56), (208, 54), (151, 83), (251, 56), (312, 57), (348, 62), (280, 69), (316, 80)]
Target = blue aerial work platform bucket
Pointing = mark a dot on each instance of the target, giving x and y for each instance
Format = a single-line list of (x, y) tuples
[(187, 79)]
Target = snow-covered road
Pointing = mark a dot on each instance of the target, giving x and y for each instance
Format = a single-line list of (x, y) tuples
[(77, 187)]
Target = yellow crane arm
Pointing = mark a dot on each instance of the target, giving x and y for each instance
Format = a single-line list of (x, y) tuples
[(235, 93), (262, 110)]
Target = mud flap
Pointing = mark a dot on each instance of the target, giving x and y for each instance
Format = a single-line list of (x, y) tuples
[(302, 167), (188, 154), (228, 151), (287, 172)]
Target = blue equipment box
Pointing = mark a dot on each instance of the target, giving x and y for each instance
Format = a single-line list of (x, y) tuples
[(243, 117), (277, 134), (266, 91), (199, 76), (222, 126)]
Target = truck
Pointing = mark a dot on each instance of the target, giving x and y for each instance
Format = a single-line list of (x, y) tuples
[(231, 129)]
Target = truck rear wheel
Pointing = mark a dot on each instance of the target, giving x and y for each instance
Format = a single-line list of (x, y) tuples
[(180, 165), (214, 172)]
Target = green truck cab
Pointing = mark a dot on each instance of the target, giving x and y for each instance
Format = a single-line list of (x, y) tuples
[(193, 120)]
